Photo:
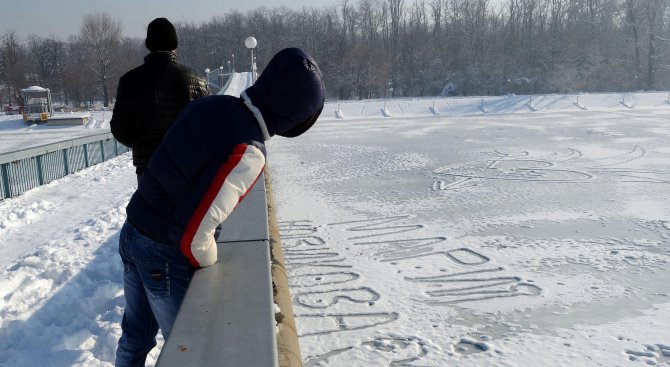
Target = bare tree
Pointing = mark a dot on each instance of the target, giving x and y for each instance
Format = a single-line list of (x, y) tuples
[(79, 80), (130, 55), (481, 46), (364, 72), (193, 46), (48, 59), (654, 8), (13, 65), (396, 14), (631, 17), (102, 34)]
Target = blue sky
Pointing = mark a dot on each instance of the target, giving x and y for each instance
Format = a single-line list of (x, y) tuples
[(63, 18)]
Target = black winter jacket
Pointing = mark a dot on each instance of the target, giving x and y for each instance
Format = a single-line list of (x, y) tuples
[(148, 100)]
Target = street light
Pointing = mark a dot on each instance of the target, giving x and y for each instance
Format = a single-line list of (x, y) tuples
[(207, 72), (233, 62), (251, 43)]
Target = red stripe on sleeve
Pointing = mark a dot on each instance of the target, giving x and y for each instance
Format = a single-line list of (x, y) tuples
[(207, 199)]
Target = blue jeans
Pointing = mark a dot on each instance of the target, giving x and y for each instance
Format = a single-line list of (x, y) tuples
[(155, 279)]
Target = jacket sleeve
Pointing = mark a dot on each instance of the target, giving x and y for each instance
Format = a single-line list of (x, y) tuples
[(231, 183), (123, 122)]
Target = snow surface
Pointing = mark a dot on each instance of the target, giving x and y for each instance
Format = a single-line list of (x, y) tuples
[(514, 237), (15, 134)]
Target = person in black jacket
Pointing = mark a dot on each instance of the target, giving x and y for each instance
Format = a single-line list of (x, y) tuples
[(209, 160), (150, 97)]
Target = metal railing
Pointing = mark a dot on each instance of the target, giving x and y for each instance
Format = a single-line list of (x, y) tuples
[(26, 169), (219, 86)]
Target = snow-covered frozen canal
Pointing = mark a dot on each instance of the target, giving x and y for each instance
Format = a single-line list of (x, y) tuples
[(536, 239)]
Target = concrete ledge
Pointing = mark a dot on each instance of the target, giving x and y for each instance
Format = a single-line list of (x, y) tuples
[(249, 221), (288, 348), (228, 315), (223, 321), (68, 119)]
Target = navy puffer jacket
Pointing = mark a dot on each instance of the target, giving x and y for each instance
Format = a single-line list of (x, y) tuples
[(215, 152)]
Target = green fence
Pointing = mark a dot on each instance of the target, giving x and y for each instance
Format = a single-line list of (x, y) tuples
[(26, 169)]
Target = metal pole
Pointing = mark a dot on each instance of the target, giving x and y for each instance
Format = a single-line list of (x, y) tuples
[(5, 180), (40, 173), (66, 163), (86, 155), (251, 43), (253, 77)]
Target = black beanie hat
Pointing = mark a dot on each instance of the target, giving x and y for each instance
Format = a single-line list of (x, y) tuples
[(161, 35)]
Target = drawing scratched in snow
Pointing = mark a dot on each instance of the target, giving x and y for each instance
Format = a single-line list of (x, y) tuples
[(568, 167), (453, 287), (313, 262), (475, 285), (305, 249), (387, 351), (325, 299), (319, 279)]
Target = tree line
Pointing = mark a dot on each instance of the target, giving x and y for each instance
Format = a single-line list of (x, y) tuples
[(381, 48)]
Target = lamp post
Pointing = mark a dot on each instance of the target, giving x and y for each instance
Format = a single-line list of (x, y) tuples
[(233, 62), (229, 71), (251, 43)]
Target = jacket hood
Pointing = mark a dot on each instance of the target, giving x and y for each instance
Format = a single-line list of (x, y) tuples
[(289, 93)]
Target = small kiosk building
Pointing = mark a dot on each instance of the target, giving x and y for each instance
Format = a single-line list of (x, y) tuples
[(38, 107)]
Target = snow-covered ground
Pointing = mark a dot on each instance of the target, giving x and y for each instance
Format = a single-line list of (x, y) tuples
[(15, 134), (504, 233)]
